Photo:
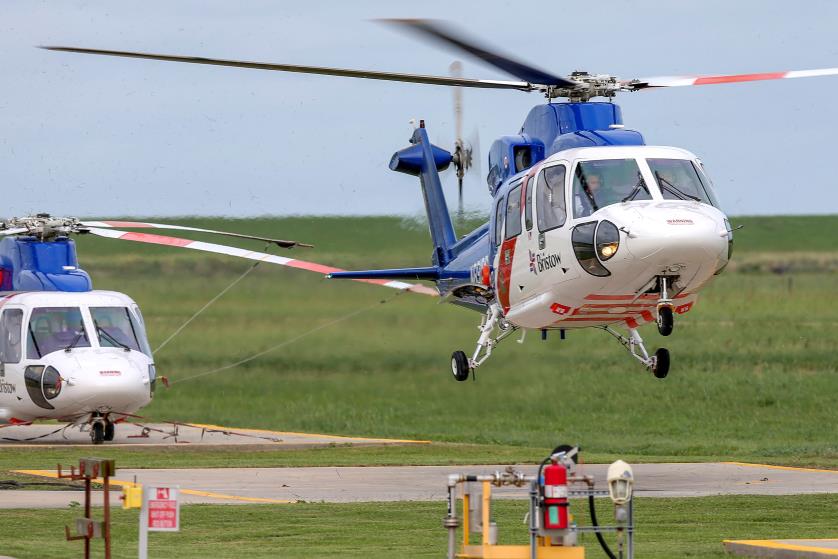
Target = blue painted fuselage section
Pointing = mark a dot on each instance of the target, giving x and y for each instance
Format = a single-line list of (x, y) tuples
[(548, 129), (28, 264)]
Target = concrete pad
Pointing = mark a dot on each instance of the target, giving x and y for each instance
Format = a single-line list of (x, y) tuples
[(168, 434), (784, 549), (428, 483)]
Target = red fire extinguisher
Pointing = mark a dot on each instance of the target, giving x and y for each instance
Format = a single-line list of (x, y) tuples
[(554, 502)]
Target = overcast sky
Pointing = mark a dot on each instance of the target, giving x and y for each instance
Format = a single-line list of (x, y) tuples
[(96, 136)]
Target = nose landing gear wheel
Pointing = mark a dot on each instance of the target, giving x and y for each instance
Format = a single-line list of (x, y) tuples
[(661, 367), (109, 431), (665, 321), (459, 366), (97, 432)]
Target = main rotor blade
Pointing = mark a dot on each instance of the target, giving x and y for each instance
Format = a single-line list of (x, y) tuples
[(141, 225), (682, 81), (248, 254), (447, 35), (366, 74), (13, 231)]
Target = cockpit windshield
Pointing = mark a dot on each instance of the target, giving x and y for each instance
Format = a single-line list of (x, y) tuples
[(603, 182), (55, 328), (678, 179), (117, 327)]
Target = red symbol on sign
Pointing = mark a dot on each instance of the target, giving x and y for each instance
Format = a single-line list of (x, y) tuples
[(163, 493), (559, 309)]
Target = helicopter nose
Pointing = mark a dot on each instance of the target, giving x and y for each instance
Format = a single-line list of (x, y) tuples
[(113, 384), (672, 232)]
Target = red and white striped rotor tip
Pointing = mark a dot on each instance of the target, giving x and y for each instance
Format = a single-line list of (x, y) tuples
[(178, 242), (683, 81)]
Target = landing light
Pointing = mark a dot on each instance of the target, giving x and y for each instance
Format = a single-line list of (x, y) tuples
[(607, 240), (607, 251)]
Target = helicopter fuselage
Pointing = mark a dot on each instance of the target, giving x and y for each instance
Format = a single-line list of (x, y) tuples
[(557, 262), (69, 356)]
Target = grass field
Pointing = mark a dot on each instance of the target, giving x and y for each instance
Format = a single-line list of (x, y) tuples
[(667, 528), (753, 374)]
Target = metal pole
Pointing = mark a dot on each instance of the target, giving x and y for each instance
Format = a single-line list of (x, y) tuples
[(144, 527), (451, 522), (631, 530), (107, 504), (87, 514), (533, 520)]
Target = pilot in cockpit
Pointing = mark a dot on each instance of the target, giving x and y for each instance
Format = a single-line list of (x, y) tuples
[(586, 196)]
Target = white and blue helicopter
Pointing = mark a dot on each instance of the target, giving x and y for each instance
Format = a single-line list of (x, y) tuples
[(589, 227), (69, 352)]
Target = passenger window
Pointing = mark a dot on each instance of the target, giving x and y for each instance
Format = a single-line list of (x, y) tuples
[(550, 208), (528, 184), (499, 222), (513, 213), (10, 335)]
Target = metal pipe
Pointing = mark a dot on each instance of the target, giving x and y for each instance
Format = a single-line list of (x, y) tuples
[(533, 520), (451, 522)]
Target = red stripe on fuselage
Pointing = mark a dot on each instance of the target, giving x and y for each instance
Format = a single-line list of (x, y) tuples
[(644, 297), (506, 255)]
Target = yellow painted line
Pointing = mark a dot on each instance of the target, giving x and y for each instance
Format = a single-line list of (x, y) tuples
[(789, 468), (121, 483), (235, 497), (771, 544), (358, 439)]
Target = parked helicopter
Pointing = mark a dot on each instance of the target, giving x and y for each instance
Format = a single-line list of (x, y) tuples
[(72, 353), (589, 227)]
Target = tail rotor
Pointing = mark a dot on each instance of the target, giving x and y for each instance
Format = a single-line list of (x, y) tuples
[(463, 152)]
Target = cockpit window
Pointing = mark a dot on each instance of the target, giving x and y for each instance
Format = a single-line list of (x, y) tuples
[(10, 326), (55, 328), (499, 213), (550, 208), (117, 327), (513, 213), (678, 179), (600, 183)]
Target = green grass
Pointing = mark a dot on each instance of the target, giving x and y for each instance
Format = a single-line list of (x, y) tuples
[(666, 528), (753, 373), (754, 377)]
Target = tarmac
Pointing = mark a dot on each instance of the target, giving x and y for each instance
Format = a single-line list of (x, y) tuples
[(427, 483), (173, 434)]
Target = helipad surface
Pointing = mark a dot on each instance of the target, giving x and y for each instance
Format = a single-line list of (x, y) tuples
[(169, 434)]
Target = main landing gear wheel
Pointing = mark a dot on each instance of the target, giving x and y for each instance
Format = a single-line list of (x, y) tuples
[(661, 367), (109, 431), (459, 366), (97, 432), (665, 321)]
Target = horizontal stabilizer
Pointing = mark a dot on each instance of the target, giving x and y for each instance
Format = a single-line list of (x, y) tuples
[(430, 273)]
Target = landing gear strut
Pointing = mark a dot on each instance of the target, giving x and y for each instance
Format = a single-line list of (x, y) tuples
[(657, 364), (665, 318), (492, 321)]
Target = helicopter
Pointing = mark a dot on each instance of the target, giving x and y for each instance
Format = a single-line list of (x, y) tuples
[(589, 226), (69, 352)]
